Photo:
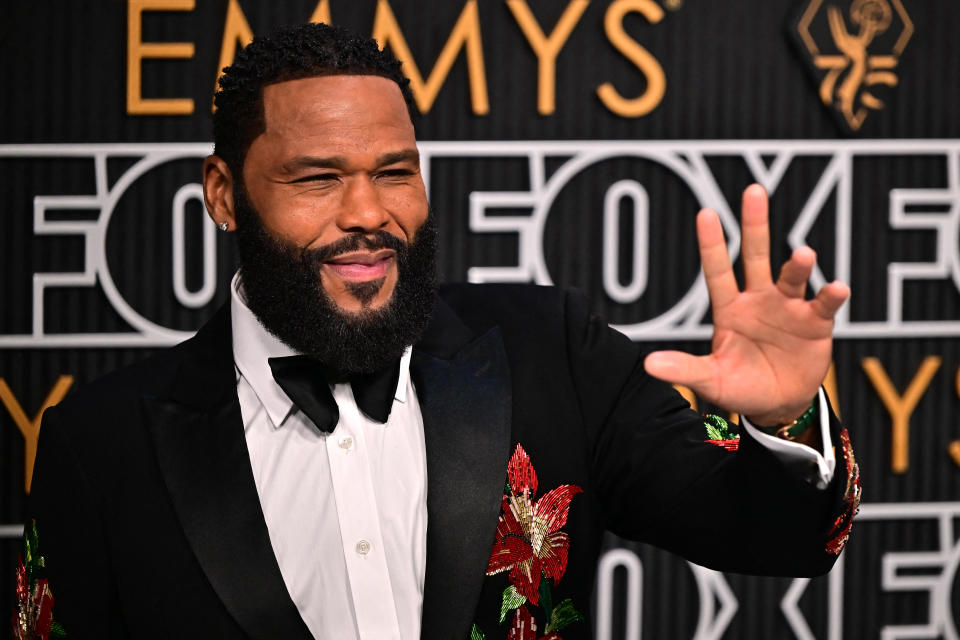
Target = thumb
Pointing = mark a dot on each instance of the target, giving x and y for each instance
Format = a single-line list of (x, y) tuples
[(677, 367)]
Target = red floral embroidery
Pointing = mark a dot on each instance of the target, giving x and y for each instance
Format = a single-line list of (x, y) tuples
[(529, 543), (729, 445), (720, 433), (840, 531), (525, 627), (33, 617)]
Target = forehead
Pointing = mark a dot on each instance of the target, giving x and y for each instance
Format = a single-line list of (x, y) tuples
[(336, 109)]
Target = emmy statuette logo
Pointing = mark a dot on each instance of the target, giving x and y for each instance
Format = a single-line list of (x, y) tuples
[(853, 48)]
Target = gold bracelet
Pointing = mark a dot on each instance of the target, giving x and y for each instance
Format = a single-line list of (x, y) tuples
[(796, 428)]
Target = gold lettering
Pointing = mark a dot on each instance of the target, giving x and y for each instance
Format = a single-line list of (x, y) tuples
[(30, 428), (900, 407), (322, 13), (644, 61), (465, 35), (236, 30), (830, 386), (546, 48), (137, 51), (691, 398), (954, 447), (687, 394)]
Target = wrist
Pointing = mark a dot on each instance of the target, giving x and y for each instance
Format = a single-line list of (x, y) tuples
[(789, 429)]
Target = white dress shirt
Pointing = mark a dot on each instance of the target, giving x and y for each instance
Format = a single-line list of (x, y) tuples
[(805, 461), (347, 511)]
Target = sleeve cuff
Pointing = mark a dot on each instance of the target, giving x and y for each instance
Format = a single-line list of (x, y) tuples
[(813, 466)]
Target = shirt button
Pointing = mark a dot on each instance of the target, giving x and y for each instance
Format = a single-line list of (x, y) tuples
[(363, 547), (346, 443)]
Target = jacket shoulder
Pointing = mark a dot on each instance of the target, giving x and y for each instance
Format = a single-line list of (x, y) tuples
[(506, 303), (154, 374), (118, 391), (128, 381)]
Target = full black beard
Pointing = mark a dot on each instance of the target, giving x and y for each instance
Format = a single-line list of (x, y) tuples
[(283, 288)]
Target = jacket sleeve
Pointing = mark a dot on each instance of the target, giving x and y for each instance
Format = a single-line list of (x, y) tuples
[(71, 537), (661, 482)]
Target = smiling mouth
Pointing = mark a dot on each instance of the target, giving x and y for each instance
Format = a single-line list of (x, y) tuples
[(359, 266)]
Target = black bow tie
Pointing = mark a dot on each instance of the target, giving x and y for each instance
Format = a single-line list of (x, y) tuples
[(307, 383)]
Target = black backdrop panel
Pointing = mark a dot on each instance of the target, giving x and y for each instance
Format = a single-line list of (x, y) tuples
[(105, 253)]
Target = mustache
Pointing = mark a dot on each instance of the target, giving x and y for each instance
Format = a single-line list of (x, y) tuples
[(370, 241)]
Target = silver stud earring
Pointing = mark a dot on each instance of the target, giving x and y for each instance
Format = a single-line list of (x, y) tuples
[(223, 226)]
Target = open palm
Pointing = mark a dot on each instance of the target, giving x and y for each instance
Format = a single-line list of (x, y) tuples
[(771, 347)]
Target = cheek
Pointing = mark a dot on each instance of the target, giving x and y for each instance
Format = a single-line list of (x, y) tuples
[(299, 220), (411, 212)]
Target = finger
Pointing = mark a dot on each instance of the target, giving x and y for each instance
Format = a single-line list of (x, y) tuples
[(677, 367), (796, 272), (721, 283), (755, 245), (830, 298)]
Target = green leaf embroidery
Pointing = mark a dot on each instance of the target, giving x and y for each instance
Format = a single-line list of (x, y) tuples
[(31, 543), (563, 614), (58, 632), (718, 428), (511, 600), (712, 432), (476, 634), (546, 600)]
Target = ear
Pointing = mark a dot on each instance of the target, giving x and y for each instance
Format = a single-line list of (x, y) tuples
[(218, 192)]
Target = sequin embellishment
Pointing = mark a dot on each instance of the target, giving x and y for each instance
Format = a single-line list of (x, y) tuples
[(33, 617), (840, 531), (720, 433), (530, 545)]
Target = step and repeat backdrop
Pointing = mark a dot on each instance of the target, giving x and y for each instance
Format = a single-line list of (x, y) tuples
[(565, 142)]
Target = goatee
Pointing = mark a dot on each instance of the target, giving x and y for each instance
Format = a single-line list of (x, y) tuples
[(282, 286)]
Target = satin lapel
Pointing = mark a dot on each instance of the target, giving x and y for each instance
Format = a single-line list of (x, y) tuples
[(466, 405), (198, 434)]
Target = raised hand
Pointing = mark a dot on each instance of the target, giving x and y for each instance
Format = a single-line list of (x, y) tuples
[(771, 347)]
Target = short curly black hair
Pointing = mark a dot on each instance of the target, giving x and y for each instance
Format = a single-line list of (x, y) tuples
[(290, 53)]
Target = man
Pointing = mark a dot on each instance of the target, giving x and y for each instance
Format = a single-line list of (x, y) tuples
[(297, 470)]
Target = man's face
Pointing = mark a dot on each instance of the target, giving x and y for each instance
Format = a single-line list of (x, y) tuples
[(338, 160)]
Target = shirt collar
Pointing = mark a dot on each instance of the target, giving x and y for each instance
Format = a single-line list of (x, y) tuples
[(253, 345)]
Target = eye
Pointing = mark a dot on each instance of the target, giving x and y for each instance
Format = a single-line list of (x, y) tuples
[(396, 173), (316, 177)]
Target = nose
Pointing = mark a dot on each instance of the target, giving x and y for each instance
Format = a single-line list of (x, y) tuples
[(361, 208)]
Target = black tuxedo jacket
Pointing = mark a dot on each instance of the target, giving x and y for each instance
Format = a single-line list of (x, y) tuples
[(151, 527)]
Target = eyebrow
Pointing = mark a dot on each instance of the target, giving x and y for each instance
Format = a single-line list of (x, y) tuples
[(404, 155), (340, 162)]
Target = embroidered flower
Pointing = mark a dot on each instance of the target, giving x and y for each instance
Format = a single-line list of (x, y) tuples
[(524, 627), (720, 433), (33, 617), (840, 531), (529, 543)]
